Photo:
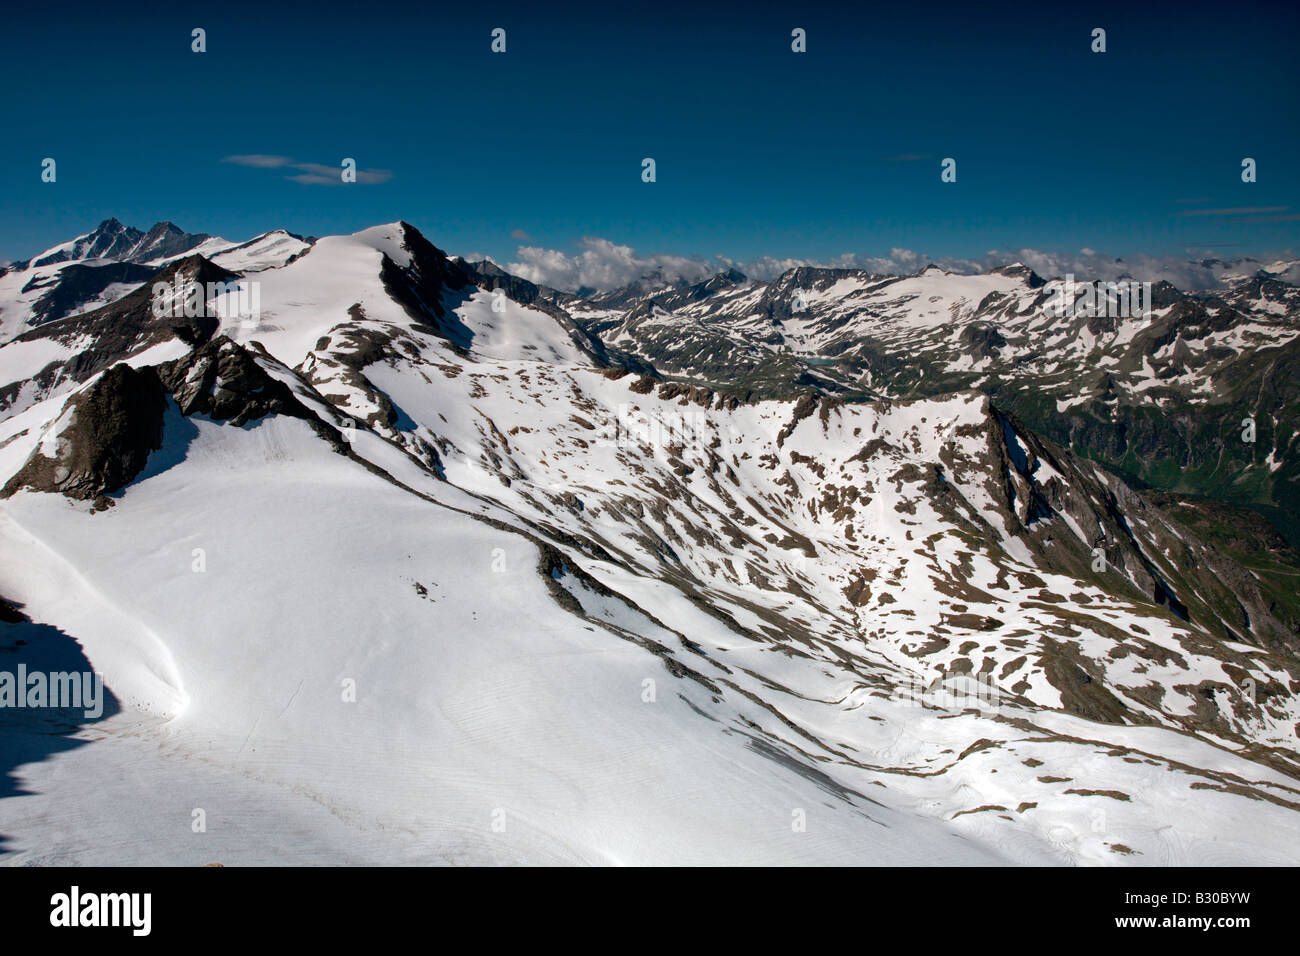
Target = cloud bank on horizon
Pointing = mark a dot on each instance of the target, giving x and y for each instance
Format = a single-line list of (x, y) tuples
[(602, 264)]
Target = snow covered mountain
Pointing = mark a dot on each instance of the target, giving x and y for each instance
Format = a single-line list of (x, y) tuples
[(417, 561), (105, 264), (1161, 398), (112, 240)]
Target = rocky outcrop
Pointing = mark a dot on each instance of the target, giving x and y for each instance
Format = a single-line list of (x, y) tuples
[(223, 381), (102, 439), (107, 431)]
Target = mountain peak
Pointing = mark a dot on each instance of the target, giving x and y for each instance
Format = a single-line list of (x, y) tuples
[(1018, 270)]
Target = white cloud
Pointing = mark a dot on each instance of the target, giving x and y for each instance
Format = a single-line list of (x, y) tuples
[(605, 265)]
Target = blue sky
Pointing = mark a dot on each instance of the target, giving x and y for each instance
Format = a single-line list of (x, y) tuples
[(759, 151)]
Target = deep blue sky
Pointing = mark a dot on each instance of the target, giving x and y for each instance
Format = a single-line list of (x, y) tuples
[(760, 151)]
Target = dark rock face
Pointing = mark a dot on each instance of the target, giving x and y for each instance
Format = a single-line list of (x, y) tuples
[(687, 393), (676, 298), (982, 340), (421, 285), (1164, 294), (108, 432), (224, 382), (1021, 271), (79, 283)]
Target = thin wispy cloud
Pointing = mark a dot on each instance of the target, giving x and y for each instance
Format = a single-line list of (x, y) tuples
[(1287, 217), (308, 174), (1234, 211), (259, 160)]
